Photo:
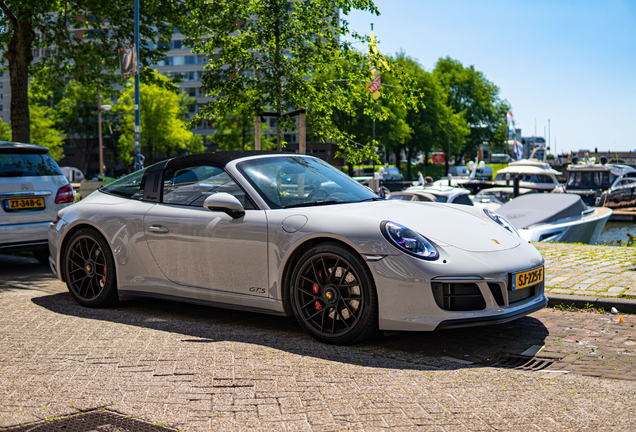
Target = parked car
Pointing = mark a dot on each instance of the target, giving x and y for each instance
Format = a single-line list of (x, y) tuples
[(32, 191), (223, 229), (73, 175)]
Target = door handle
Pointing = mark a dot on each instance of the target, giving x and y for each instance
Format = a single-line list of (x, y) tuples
[(157, 229)]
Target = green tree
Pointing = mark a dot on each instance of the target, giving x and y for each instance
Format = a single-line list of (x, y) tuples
[(431, 127), (162, 129), (477, 99), (268, 53), (77, 39), (43, 131), (76, 115), (5, 131), (236, 132)]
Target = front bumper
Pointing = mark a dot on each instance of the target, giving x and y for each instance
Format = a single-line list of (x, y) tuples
[(495, 319), (408, 289)]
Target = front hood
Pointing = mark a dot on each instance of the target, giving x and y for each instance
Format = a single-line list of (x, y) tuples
[(463, 227)]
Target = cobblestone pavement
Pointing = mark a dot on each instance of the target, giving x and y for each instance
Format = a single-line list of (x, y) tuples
[(604, 271), (198, 368)]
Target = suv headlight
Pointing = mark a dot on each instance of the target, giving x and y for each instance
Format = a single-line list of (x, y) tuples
[(408, 241), (501, 221)]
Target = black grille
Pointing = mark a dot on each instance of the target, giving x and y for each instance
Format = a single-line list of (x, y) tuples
[(522, 294), (103, 421), (458, 296), (495, 290)]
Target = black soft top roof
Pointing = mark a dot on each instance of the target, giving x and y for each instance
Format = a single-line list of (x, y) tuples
[(220, 158), (532, 209), (16, 147)]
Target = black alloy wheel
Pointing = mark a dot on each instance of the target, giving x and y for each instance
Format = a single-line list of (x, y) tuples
[(90, 269), (333, 295)]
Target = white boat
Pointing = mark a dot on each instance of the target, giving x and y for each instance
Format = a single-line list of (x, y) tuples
[(433, 193), (604, 184), (555, 218), (533, 174)]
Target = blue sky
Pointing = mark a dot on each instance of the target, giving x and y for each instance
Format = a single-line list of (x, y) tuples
[(572, 62)]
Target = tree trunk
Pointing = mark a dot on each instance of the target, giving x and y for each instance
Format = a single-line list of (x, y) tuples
[(279, 87), (19, 54), (409, 176)]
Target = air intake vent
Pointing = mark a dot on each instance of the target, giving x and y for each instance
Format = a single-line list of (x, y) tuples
[(458, 296)]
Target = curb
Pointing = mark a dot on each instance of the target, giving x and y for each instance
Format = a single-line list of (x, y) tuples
[(607, 303)]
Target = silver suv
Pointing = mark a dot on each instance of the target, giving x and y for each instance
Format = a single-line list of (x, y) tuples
[(32, 191)]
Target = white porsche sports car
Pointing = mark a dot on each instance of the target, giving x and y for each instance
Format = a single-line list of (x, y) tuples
[(289, 234)]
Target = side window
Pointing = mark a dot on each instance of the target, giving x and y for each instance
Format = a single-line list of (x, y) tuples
[(190, 186), (128, 186)]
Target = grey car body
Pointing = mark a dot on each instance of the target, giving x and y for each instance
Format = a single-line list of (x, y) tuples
[(32, 191), (216, 254)]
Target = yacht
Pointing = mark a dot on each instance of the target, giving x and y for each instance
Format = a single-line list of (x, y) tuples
[(534, 173), (602, 184)]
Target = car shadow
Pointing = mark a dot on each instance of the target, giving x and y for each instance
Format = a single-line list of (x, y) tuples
[(446, 349)]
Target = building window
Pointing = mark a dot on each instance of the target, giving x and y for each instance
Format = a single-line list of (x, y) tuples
[(189, 76), (174, 61), (1, 108), (176, 44), (272, 122), (202, 59), (190, 60), (191, 91)]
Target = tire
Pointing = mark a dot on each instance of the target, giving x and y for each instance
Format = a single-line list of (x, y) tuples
[(89, 269), (333, 295), (42, 255)]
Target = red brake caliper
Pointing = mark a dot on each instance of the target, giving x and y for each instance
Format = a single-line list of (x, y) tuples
[(104, 277), (316, 290)]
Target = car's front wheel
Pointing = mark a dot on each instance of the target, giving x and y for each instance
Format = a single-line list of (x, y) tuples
[(333, 295), (90, 269)]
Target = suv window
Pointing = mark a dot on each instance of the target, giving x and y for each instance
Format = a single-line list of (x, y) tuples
[(28, 165), (192, 185), (128, 186)]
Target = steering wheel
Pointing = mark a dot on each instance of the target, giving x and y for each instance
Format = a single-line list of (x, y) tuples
[(319, 194)]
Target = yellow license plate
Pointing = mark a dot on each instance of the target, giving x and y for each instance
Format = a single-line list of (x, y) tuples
[(527, 278), (24, 204)]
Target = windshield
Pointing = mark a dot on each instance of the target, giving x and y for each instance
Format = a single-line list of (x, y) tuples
[(590, 179), (294, 181), (28, 165)]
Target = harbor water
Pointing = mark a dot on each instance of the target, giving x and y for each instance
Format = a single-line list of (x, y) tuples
[(616, 230)]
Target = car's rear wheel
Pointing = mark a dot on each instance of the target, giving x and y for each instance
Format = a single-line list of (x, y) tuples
[(90, 269), (333, 295)]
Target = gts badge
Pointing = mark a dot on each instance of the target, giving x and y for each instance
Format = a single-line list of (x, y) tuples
[(256, 290)]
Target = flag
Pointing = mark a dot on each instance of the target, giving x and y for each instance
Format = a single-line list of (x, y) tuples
[(376, 82), (512, 134)]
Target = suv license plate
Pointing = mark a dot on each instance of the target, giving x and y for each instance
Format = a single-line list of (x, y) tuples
[(24, 204), (526, 278)]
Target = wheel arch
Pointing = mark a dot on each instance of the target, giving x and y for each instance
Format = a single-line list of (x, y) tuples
[(295, 256), (65, 240)]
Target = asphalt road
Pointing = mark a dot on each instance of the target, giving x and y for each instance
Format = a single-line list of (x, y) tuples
[(201, 368)]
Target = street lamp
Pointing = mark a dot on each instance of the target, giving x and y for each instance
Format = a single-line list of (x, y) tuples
[(101, 108)]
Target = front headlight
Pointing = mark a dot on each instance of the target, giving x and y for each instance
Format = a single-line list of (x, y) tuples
[(501, 221), (409, 241)]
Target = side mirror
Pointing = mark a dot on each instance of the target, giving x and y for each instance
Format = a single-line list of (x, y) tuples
[(226, 203)]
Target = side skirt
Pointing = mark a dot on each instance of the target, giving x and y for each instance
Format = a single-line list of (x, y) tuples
[(200, 302)]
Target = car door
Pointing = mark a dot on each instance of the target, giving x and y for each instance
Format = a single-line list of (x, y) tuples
[(208, 249)]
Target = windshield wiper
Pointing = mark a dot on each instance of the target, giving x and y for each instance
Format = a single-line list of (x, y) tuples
[(316, 203), (373, 199)]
